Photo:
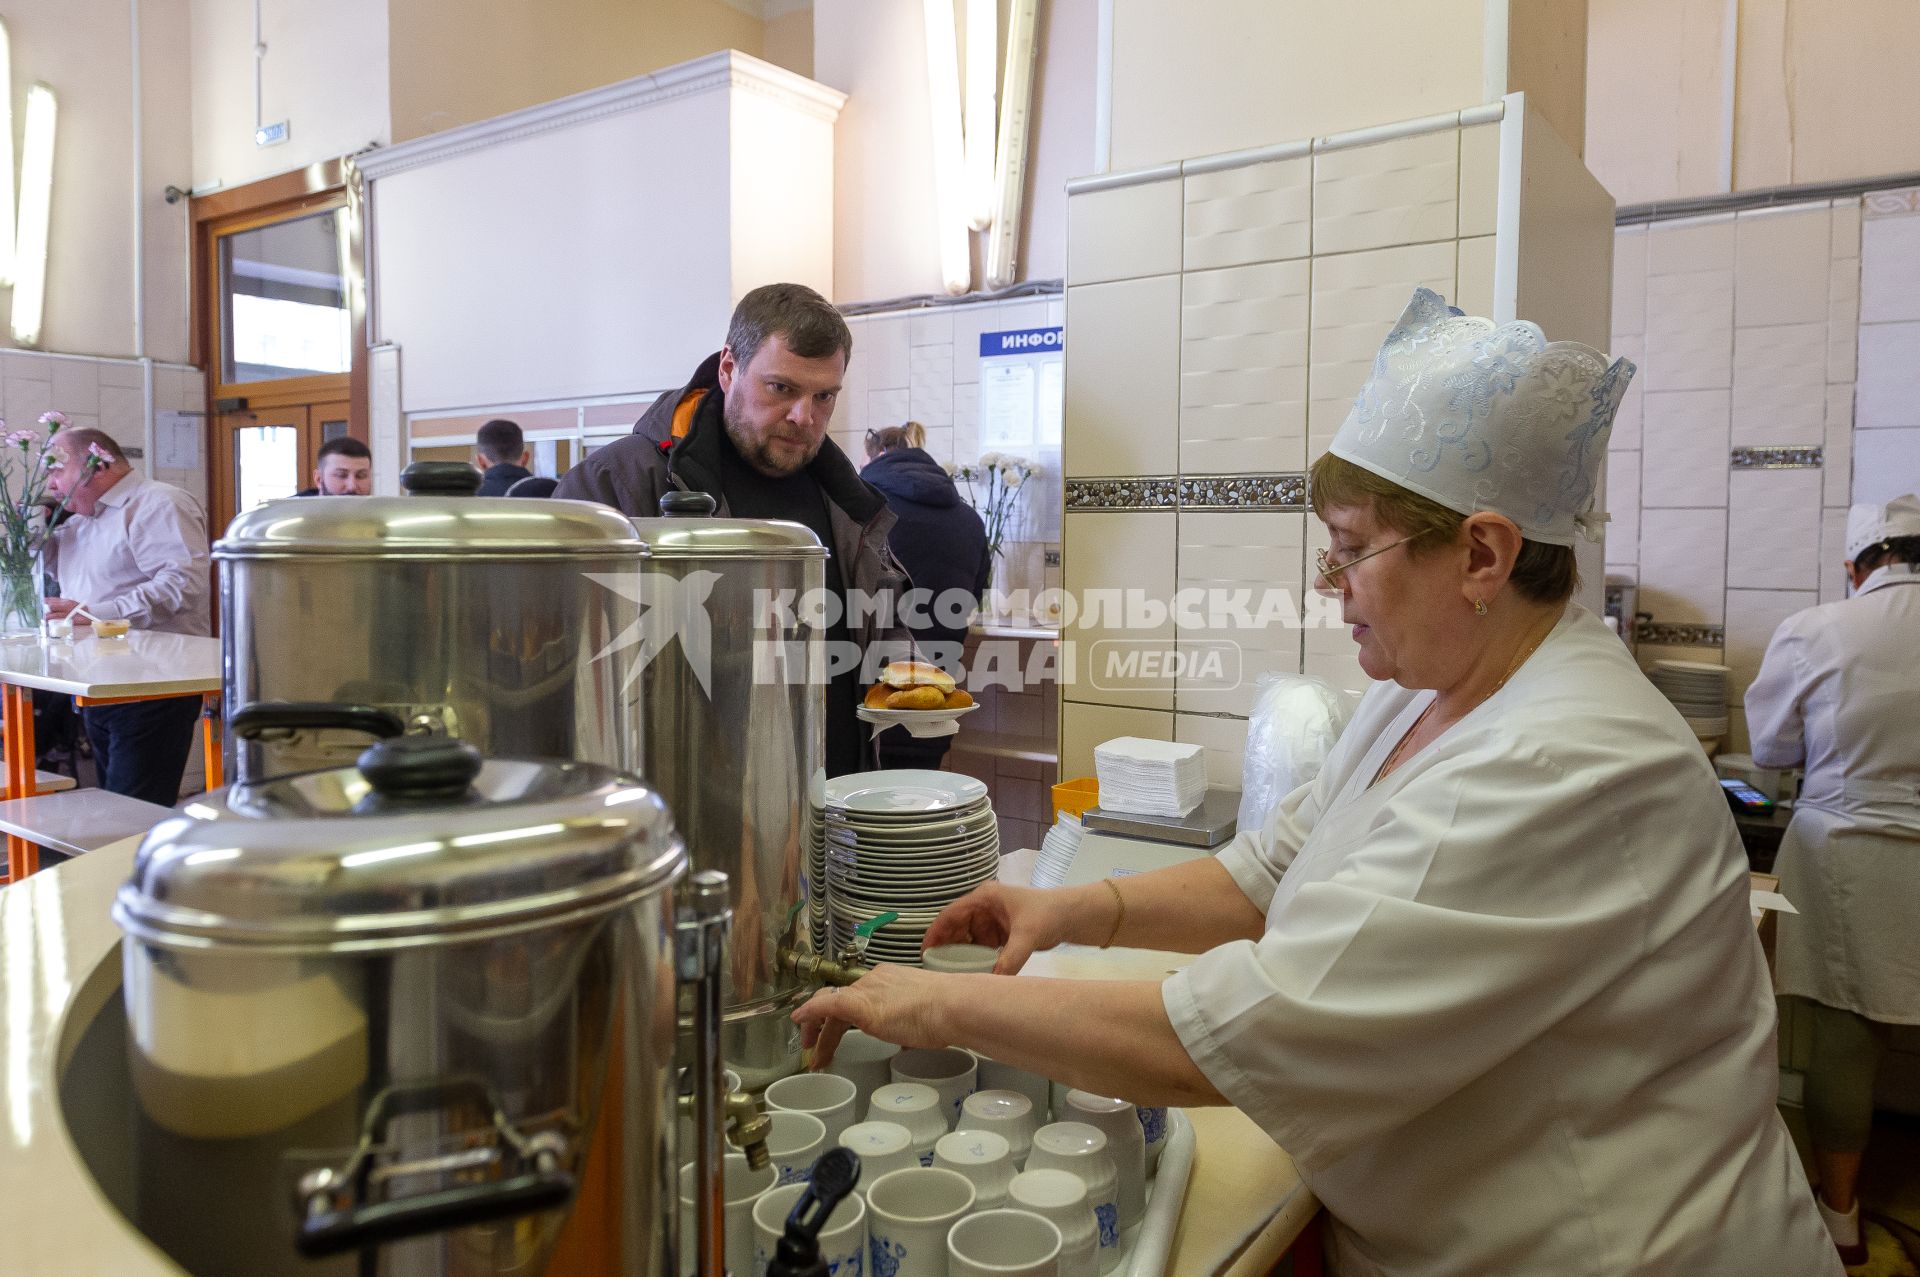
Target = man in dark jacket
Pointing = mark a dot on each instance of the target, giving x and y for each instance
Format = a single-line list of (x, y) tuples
[(750, 430), (942, 543), (501, 455)]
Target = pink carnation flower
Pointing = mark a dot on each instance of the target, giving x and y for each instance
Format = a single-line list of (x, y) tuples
[(53, 418), (20, 438), (99, 454)]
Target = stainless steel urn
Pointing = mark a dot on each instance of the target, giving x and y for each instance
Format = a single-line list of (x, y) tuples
[(497, 620), (411, 1018), (732, 735)]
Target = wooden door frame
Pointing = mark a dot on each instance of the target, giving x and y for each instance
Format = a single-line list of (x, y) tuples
[(332, 183)]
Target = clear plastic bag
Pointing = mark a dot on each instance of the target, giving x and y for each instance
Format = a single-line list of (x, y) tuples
[(1295, 720)]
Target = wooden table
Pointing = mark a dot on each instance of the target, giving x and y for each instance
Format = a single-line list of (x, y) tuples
[(144, 666)]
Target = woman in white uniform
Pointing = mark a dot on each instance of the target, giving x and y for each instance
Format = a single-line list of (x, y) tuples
[(1491, 978), (1839, 692)]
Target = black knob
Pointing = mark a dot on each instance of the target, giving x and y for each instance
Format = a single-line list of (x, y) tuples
[(440, 479), (420, 768), (685, 505)]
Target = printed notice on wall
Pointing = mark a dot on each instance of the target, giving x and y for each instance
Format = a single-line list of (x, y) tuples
[(176, 440), (1021, 384)]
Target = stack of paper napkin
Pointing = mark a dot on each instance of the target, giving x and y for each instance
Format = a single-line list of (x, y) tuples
[(1150, 777)]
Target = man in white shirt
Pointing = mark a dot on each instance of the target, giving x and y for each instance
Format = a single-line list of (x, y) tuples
[(136, 549)]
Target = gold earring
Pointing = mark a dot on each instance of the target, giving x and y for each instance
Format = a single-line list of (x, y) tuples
[(1479, 607)]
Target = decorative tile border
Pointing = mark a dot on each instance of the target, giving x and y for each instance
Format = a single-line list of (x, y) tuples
[(1243, 492), (1224, 492), (1794, 458), (1895, 203), (1159, 492), (1667, 634)]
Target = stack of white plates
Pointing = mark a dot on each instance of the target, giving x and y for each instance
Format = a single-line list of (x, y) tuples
[(904, 842), (1057, 850), (814, 888), (1150, 777), (1698, 689)]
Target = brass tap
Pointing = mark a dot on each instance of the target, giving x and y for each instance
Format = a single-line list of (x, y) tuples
[(814, 969), (747, 1125)]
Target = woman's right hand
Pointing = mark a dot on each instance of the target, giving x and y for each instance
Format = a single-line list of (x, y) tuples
[(1018, 921)]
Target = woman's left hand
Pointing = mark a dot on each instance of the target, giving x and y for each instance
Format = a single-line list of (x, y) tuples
[(901, 1005)]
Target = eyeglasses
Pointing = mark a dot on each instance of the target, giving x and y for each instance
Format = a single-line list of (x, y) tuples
[(1329, 569)]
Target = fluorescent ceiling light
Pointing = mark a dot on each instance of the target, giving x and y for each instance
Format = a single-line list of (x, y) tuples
[(949, 170), (36, 203), (983, 46), (6, 157), (1016, 121)]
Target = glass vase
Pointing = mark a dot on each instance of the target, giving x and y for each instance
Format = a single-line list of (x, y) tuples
[(22, 603)]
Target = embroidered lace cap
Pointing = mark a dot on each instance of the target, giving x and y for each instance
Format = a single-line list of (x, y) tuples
[(1871, 524), (1479, 416)]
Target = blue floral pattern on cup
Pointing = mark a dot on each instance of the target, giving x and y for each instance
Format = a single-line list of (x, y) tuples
[(846, 1266), (887, 1254), (1153, 1122), (1107, 1215)]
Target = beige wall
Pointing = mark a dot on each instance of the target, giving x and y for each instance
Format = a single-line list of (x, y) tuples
[(1819, 94), (455, 64)]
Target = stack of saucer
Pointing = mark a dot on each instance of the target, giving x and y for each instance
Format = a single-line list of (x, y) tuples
[(815, 886), (1057, 850), (1150, 777), (904, 842), (1698, 689)]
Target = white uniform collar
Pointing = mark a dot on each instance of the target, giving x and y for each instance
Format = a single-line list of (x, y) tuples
[(1889, 574)]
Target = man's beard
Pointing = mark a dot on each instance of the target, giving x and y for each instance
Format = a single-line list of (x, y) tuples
[(758, 454)]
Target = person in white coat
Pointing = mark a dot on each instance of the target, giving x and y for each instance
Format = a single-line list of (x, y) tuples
[(1491, 978), (1837, 694)]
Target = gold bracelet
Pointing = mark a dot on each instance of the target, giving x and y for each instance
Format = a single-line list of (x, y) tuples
[(1121, 918)]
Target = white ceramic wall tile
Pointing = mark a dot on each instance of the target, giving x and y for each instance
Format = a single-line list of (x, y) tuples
[(76, 387), (123, 411), (884, 344), (930, 385), (1342, 670), (1690, 330), (1773, 530), (1473, 276), (1626, 421), (970, 321), (1779, 385), (939, 443), (1836, 469), (1623, 504), (850, 410), (1846, 227), (1124, 233), (1886, 463), (26, 366), (1123, 378), (1259, 213), (1404, 191), (120, 373), (1843, 318), (1243, 369), (1224, 739), (931, 328), (26, 399), (1126, 553), (1833, 554), (1257, 558), (1056, 310), (1684, 446), (1479, 182), (1780, 272), (1023, 714), (1683, 565), (1752, 617), (1696, 244), (1084, 727), (887, 408), (1888, 390), (1889, 269), (1630, 280), (966, 423), (1356, 299)]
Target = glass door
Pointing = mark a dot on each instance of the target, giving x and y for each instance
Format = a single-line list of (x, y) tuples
[(269, 454)]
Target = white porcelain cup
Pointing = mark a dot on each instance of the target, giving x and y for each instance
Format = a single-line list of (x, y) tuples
[(743, 1187), (984, 1159), (863, 1060), (1005, 1113), (1153, 1128), (959, 958), (947, 1069), (843, 1241), (1061, 1197), (1004, 1243), (992, 1075), (908, 1215), (1082, 1150), (918, 1108), (826, 1096), (882, 1147), (795, 1143), (1126, 1145)]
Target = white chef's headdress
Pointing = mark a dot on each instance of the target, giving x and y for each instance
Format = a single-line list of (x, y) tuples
[(1478, 416), (1869, 525)]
